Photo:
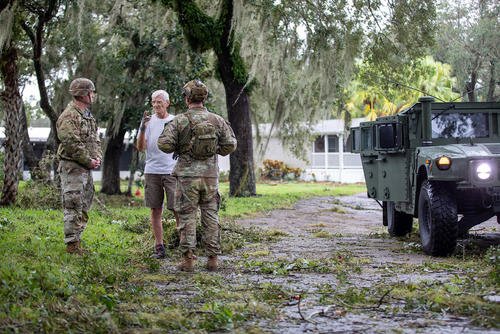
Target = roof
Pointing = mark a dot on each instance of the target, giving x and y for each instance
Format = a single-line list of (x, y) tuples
[(322, 127)]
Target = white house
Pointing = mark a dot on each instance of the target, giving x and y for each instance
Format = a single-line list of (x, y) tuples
[(328, 157)]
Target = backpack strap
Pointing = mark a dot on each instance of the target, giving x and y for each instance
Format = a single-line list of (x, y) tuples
[(190, 119)]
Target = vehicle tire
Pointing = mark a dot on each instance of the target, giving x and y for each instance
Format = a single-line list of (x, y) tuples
[(437, 219), (398, 223)]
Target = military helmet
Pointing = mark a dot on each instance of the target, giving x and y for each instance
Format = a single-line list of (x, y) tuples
[(81, 87), (195, 91)]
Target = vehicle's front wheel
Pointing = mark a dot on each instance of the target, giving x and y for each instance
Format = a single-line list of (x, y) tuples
[(437, 217), (398, 223)]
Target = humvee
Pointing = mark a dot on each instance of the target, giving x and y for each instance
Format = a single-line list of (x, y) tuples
[(438, 162)]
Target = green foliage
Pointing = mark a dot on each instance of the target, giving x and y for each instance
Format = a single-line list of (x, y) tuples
[(341, 264), (398, 42), (38, 194), (219, 317), (283, 195), (372, 94), (492, 257), (115, 288), (200, 30), (45, 289), (278, 170), (468, 41)]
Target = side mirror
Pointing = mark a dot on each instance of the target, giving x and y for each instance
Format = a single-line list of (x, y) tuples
[(389, 137)]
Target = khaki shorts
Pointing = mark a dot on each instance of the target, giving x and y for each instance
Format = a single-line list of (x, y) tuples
[(156, 186)]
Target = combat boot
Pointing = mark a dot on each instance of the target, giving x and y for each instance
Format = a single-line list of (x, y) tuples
[(187, 263), (74, 248), (212, 263), (159, 252)]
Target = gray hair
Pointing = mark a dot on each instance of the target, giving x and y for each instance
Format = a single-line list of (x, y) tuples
[(161, 93)]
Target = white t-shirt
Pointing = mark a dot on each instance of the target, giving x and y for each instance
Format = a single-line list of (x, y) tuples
[(157, 162)]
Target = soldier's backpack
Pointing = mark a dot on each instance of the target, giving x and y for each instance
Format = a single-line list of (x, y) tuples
[(204, 139)]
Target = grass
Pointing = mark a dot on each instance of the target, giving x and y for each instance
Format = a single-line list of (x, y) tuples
[(283, 195), (119, 288), (113, 288)]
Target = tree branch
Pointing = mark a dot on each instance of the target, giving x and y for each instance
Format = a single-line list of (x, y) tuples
[(198, 28)]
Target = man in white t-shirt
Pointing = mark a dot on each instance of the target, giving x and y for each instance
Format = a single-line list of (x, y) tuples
[(159, 166)]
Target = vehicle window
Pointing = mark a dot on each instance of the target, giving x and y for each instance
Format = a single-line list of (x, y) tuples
[(366, 139), (387, 135), (460, 125)]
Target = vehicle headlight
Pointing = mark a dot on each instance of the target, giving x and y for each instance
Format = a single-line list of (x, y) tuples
[(483, 171), (443, 162)]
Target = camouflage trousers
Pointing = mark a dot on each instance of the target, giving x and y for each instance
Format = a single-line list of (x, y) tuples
[(77, 192), (191, 193)]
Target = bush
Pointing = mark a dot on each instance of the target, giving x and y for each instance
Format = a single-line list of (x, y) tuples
[(37, 194), (278, 170)]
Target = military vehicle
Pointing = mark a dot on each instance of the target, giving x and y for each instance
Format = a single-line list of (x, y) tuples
[(438, 162)]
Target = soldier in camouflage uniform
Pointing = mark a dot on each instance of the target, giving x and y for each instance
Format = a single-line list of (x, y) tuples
[(79, 153), (197, 136)]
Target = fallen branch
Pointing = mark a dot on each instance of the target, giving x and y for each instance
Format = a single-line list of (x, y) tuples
[(321, 312), (381, 300), (201, 312), (379, 303), (300, 312), (101, 204)]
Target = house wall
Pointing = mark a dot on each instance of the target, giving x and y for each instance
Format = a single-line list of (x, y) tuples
[(276, 151), (336, 166)]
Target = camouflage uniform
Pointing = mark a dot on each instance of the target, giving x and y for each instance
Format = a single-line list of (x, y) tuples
[(197, 180), (77, 131)]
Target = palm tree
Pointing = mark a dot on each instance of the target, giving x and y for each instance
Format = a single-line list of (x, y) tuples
[(372, 100)]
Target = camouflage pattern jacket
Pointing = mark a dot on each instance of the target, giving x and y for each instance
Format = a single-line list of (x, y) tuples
[(77, 131), (176, 137)]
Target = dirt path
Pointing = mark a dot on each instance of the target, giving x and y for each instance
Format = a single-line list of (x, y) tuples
[(332, 246)]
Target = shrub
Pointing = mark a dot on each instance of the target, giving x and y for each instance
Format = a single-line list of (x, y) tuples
[(278, 170), (37, 194)]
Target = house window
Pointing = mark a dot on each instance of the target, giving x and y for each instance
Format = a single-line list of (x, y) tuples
[(333, 143), (319, 144)]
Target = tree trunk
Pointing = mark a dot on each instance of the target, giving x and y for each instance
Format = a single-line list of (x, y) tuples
[(29, 156), (470, 87), (202, 34), (36, 38), (4, 4), (133, 168), (111, 165), (492, 84), (12, 102), (242, 173)]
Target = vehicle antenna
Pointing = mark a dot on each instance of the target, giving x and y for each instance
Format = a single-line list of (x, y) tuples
[(470, 91), (409, 87)]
